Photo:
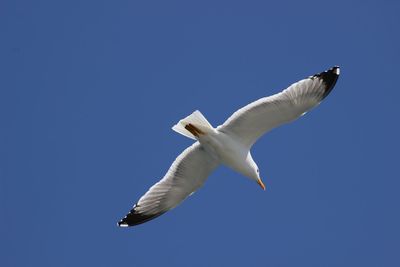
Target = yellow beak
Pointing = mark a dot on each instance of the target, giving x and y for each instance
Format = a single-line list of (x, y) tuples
[(260, 183)]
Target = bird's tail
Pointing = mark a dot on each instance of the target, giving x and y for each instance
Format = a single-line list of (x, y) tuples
[(193, 126)]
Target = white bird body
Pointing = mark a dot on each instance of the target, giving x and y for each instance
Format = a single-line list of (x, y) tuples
[(224, 147), (228, 144), (229, 152)]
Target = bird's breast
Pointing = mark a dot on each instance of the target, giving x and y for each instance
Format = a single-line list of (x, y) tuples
[(230, 152)]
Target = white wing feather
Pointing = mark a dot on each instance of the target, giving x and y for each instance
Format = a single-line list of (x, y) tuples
[(188, 172), (252, 121)]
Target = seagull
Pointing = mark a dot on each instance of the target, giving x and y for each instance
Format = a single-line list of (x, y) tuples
[(229, 144)]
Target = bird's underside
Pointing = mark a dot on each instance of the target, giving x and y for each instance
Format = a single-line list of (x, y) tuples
[(192, 167)]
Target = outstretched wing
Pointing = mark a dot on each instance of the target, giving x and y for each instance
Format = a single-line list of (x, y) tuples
[(188, 172), (252, 121)]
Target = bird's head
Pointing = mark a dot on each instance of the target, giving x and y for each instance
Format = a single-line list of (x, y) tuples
[(254, 172), (258, 180)]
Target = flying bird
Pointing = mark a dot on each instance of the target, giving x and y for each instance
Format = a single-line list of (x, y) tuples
[(229, 144)]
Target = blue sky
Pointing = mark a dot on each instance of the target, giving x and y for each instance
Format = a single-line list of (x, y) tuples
[(90, 89)]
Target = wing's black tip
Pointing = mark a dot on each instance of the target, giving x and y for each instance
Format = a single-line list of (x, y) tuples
[(135, 218), (329, 78)]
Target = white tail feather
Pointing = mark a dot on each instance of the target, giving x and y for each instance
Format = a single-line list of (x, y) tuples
[(196, 119)]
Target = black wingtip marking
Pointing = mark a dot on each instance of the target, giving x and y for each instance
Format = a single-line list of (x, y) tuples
[(135, 218), (329, 78)]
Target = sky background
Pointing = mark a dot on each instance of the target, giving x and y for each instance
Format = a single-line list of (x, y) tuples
[(89, 91)]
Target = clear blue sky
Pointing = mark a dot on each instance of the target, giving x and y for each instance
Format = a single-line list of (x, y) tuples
[(90, 89)]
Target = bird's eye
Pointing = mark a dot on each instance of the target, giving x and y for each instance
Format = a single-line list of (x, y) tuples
[(258, 171)]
